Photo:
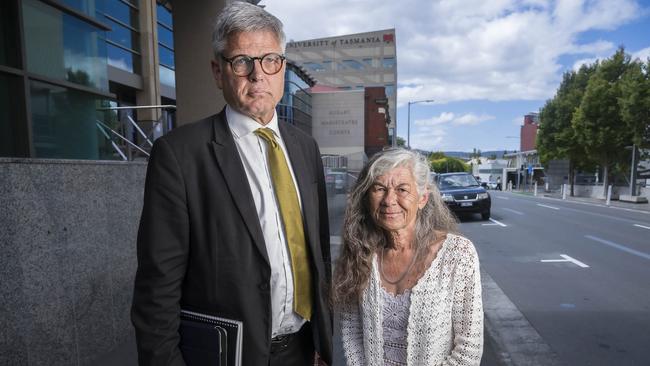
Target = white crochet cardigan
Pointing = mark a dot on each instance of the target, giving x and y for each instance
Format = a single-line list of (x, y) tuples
[(445, 326)]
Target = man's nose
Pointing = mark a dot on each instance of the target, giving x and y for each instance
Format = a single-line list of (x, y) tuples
[(257, 72)]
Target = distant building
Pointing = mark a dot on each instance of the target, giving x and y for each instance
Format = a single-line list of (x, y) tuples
[(352, 62), (295, 106), (377, 118), (528, 133), (349, 125)]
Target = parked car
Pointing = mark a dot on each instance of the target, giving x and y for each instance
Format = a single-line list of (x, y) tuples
[(463, 194), (336, 181)]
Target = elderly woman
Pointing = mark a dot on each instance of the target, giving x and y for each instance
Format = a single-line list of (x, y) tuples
[(407, 286)]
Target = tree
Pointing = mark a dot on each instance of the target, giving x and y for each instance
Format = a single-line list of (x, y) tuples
[(401, 142), (597, 123), (635, 102), (556, 138), (440, 163)]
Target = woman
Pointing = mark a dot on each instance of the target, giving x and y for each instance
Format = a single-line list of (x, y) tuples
[(407, 287)]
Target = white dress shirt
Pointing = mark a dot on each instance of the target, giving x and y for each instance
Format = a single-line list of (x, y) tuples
[(252, 150)]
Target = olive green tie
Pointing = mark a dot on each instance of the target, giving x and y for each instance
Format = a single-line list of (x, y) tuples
[(287, 197)]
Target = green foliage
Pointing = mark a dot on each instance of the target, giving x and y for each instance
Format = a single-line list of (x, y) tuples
[(401, 142), (635, 102), (598, 123), (440, 163), (596, 112)]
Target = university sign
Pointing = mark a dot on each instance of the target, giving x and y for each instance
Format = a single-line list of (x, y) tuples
[(387, 38)]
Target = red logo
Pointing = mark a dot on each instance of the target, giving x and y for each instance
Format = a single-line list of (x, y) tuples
[(389, 37)]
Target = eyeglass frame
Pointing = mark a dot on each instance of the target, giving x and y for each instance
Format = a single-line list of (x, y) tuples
[(231, 59)]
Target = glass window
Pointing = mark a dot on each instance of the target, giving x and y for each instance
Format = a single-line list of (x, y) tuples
[(389, 62), (165, 36), (167, 76), (122, 12), (164, 16), (64, 47), (368, 62), (13, 124), (313, 66), (9, 51), (64, 123), (123, 36), (166, 57), (353, 64), (327, 65), (390, 90), (123, 59), (92, 8)]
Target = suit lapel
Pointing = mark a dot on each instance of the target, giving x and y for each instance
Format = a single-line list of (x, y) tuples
[(228, 159), (306, 187)]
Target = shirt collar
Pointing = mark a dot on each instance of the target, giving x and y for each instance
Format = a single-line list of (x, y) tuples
[(242, 125)]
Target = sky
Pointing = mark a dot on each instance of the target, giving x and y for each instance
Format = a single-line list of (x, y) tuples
[(484, 63)]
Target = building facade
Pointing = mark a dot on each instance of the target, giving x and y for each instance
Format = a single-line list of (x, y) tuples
[(352, 62), (295, 105), (528, 133), (65, 64)]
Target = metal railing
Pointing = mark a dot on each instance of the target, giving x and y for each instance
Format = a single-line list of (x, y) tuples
[(130, 139)]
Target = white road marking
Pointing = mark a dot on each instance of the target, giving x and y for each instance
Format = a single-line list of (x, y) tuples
[(496, 222), (336, 240), (513, 211), (502, 198), (645, 227), (554, 208), (619, 247), (566, 259), (597, 205)]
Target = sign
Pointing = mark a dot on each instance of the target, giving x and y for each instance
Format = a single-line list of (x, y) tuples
[(643, 174), (530, 170)]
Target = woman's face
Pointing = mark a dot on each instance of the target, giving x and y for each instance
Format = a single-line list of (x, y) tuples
[(394, 200)]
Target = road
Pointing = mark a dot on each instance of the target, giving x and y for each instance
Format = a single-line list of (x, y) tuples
[(579, 273)]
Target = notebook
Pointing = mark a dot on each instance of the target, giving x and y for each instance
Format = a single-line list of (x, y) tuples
[(210, 340)]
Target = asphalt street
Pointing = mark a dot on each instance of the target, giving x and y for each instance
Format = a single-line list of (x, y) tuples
[(578, 272)]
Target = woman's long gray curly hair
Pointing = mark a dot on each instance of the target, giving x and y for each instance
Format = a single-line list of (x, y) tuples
[(362, 237)]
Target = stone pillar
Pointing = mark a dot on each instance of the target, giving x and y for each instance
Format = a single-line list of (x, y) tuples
[(150, 93), (197, 95)]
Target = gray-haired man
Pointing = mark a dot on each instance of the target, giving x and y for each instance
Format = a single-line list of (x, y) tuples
[(234, 222)]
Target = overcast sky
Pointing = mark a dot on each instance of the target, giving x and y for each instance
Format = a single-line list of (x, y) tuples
[(486, 63)]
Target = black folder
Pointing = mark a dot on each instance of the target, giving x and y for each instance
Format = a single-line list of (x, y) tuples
[(210, 340)]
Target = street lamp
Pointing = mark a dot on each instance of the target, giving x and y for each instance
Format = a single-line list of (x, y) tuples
[(408, 123)]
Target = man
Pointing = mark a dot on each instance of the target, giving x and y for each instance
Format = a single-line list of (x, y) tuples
[(234, 222)]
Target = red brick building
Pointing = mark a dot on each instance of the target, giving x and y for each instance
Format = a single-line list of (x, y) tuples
[(528, 132), (376, 120)]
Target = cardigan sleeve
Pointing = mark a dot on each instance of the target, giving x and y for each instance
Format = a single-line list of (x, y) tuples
[(467, 312), (352, 334)]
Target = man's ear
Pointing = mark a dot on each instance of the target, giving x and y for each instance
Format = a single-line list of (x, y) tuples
[(217, 73)]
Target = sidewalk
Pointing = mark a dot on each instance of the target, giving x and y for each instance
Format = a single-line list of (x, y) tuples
[(630, 206)]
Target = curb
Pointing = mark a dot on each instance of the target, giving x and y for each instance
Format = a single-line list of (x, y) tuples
[(515, 341)]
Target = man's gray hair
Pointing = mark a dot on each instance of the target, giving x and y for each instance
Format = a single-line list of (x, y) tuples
[(239, 17)]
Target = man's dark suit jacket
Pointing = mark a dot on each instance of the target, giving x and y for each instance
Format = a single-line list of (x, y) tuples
[(200, 243)]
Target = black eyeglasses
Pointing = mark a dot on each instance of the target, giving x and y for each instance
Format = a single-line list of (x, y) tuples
[(243, 65)]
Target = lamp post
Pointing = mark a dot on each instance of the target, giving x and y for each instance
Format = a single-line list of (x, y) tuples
[(408, 123)]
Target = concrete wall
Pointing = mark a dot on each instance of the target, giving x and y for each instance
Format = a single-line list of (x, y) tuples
[(597, 191), (197, 95), (67, 236)]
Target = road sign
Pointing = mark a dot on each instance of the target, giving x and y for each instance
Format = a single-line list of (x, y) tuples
[(530, 170)]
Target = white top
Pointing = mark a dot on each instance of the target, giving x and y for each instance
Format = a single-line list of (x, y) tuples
[(396, 319), (252, 150), (445, 321)]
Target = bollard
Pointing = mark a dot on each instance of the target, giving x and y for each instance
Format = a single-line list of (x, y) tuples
[(546, 187), (535, 188), (564, 191), (609, 195)]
